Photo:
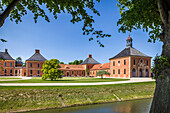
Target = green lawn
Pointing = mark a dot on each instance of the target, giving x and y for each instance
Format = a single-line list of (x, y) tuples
[(14, 98), (6, 78), (66, 80)]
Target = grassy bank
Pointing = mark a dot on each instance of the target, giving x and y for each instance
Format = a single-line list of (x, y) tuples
[(29, 98), (66, 80), (6, 78)]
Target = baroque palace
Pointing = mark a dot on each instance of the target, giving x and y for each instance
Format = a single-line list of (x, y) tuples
[(126, 64)]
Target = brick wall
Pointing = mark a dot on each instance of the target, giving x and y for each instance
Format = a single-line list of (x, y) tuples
[(8, 67), (34, 68), (120, 70)]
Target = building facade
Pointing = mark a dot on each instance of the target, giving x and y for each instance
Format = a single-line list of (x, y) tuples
[(34, 64), (128, 63)]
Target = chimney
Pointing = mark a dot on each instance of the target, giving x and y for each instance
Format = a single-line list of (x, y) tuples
[(37, 51), (89, 56), (6, 50)]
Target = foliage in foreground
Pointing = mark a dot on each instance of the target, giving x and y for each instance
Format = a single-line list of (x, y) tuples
[(80, 11), (50, 70), (160, 63)]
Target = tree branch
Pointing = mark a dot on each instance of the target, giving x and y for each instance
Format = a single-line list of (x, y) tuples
[(163, 14), (7, 11)]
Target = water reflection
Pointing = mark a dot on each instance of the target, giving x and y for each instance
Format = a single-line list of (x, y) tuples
[(134, 106)]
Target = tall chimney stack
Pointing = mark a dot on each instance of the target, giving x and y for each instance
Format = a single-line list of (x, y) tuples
[(37, 51), (6, 50), (89, 56)]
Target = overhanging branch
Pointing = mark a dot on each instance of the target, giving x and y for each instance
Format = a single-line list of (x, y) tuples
[(7, 11)]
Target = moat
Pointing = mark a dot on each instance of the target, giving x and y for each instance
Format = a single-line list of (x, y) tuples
[(133, 106)]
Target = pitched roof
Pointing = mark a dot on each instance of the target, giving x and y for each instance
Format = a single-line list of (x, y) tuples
[(130, 51), (90, 60), (71, 67), (5, 56), (36, 57), (101, 66)]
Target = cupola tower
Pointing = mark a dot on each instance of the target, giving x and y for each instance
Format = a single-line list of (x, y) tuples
[(129, 42)]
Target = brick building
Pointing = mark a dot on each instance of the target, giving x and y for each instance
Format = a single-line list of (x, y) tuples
[(99, 67), (34, 64), (8, 64), (79, 70), (128, 63)]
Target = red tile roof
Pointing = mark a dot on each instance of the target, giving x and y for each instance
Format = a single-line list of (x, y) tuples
[(129, 38), (71, 67), (101, 66)]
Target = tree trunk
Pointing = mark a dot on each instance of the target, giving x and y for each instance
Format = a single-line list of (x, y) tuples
[(161, 100)]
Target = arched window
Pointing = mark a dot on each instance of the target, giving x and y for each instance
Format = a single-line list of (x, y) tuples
[(147, 73), (134, 72), (140, 73)]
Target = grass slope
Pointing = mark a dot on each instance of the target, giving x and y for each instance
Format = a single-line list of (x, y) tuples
[(6, 78), (27, 98), (66, 80)]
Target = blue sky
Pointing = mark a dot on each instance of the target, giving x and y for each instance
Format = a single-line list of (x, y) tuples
[(60, 39)]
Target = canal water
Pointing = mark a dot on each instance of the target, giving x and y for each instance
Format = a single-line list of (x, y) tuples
[(133, 106)]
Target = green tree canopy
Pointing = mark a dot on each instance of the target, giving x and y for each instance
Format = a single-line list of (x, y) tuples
[(16, 9), (101, 73), (61, 62), (19, 59), (50, 70), (76, 62)]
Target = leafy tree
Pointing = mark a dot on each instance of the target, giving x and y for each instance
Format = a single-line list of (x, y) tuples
[(101, 73), (76, 62), (87, 72), (80, 61), (19, 59), (61, 62), (50, 70), (16, 9), (153, 16)]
